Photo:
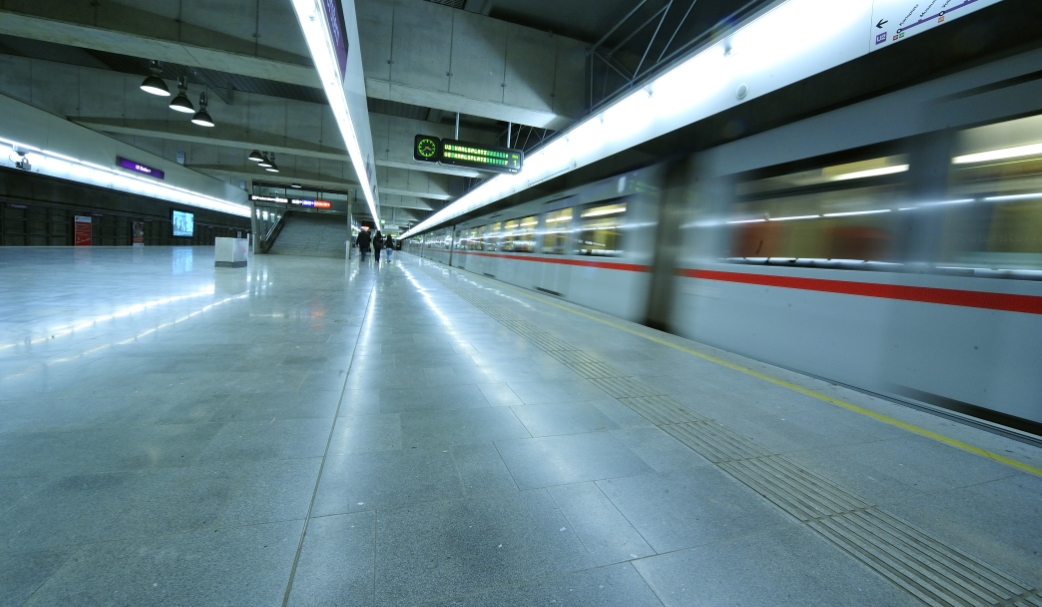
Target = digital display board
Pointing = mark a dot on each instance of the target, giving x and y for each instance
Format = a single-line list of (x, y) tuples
[(184, 223), (462, 153), (501, 160), (274, 199), (314, 204)]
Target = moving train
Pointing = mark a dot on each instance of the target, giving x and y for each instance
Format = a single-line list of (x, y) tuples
[(904, 260)]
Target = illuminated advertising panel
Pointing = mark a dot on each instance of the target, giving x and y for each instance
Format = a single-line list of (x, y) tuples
[(183, 223)]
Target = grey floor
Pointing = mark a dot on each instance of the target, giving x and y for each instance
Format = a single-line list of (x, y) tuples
[(303, 432)]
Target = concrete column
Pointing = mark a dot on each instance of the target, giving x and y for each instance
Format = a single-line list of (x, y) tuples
[(350, 249)]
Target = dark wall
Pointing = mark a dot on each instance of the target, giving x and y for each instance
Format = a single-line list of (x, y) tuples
[(36, 210)]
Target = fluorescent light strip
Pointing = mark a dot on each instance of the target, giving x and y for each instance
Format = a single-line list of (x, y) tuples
[(1012, 197), (747, 221), (61, 166), (1003, 154), (900, 168), (793, 218), (855, 213), (311, 15), (761, 45)]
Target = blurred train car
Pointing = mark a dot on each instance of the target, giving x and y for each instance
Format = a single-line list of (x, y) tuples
[(903, 258)]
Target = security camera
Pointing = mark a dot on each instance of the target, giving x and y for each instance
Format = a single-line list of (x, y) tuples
[(21, 161)]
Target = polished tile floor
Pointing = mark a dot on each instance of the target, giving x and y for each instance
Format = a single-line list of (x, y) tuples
[(301, 432)]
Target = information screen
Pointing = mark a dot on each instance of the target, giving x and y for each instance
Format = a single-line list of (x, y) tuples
[(463, 153), (502, 160), (184, 223)]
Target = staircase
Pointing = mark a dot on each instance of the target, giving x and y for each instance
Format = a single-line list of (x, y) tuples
[(312, 235)]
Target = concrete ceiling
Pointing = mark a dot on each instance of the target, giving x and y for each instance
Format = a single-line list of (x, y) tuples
[(495, 62)]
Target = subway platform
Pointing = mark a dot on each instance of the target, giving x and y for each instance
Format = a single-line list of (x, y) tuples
[(305, 432)]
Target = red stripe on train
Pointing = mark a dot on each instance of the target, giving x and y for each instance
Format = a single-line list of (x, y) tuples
[(1028, 304), (607, 265)]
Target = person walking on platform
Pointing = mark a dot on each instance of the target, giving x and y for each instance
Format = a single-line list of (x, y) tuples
[(389, 245), (364, 239), (378, 243)]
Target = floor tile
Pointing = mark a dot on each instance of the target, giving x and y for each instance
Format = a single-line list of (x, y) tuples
[(563, 418), (367, 481), (276, 490), (782, 567), (575, 458), (604, 531), (425, 429), (691, 507), (613, 586), (556, 391), (337, 563), (240, 565), (458, 547), (364, 433)]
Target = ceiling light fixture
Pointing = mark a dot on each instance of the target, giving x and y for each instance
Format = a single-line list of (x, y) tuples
[(295, 186), (255, 156), (202, 117), (313, 23), (271, 168), (153, 84), (264, 162), (181, 102)]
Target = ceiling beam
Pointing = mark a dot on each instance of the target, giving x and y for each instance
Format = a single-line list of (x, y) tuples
[(431, 55), (143, 44)]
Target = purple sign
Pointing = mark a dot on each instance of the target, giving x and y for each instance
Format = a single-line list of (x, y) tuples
[(130, 165), (337, 32), (881, 38)]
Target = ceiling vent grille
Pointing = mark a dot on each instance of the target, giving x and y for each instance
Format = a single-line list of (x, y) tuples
[(450, 3)]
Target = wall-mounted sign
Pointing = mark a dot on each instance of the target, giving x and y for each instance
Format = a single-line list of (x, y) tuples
[(137, 233), (137, 167), (274, 199), (337, 32), (894, 20), (302, 202), (312, 204), (462, 153)]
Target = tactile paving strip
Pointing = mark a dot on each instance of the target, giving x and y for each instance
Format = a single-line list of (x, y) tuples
[(937, 574), (662, 410), (624, 387), (570, 357), (594, 370)]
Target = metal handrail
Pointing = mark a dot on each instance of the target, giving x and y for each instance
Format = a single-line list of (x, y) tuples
[(273, 232)]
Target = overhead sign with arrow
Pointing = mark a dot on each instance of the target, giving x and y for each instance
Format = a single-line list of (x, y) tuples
[(895, 20)]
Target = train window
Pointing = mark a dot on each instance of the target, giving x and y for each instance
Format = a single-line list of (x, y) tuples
[(843, 213), (519, 235), (494, 237), (996, 179), (476, 243), (558, 229), (600, 230)]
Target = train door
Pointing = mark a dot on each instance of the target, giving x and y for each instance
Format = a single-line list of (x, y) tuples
[(493, 245), (556, 243), (476, 261)]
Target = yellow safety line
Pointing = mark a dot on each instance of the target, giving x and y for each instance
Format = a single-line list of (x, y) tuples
[(835, 401)]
